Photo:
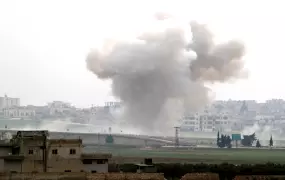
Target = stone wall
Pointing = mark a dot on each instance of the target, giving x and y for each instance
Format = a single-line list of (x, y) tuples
[(81, 176)]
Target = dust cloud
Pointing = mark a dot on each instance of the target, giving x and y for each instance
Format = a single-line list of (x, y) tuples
[(159, 75)]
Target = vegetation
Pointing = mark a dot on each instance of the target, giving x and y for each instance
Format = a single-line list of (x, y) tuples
[(248, 140), (196, 155), (225, 171), (271, 141), (218, 139), (224, 141), (258, 145)]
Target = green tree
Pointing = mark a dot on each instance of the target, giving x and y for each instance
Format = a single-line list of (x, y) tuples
[(228, 141), (225, 141), (271, 141), (218, 139), (258, 145), (248, 140)]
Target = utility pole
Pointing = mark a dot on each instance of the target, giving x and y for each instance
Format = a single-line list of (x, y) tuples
[(176, 136)]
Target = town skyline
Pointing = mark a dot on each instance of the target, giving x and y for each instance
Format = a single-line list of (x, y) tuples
[(112, 99)]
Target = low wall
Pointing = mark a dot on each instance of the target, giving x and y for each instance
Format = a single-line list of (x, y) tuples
[(81, 176)]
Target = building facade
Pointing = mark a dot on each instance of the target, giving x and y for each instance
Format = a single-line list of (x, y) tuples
[(8, 102), (59, 107), (32, 151), (19, 112)]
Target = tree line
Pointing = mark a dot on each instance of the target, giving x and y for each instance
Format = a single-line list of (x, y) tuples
[(247, 141)]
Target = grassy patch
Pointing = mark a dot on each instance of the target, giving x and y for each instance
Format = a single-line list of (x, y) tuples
[(237, 156)]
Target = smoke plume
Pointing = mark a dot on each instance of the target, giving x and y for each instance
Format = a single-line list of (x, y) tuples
[(156, 77), (214, 62)]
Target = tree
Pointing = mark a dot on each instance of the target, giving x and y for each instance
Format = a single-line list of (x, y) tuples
[(271, 141), (248, 140), (228, 142), (218, 139), (225, 141), (258, 145)]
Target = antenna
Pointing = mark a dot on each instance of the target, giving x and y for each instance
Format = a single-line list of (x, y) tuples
[(176, 136)]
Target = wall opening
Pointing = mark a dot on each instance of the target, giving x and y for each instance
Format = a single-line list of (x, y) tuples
[(31, 151), (54, 151), (72, 151), (87, 161)]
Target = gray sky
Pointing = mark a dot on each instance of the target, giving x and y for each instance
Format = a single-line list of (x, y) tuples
[(44, 43)]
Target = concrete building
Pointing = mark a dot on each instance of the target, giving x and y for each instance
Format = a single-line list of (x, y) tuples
[(32, 151), (190, 123), (222, 122), (8, 102), (59, 107), (19, 112)]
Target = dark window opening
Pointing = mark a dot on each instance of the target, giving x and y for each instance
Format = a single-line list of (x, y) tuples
[(87, 161), (72, 151), (100, 161), (31, 151), (67, 171), (54, 151), (15, 151), (94, 171)]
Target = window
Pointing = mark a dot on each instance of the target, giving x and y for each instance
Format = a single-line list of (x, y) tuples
[(67, 171), (72, 151), (87, 161), (31, 151), (100, 161), (54, 151)]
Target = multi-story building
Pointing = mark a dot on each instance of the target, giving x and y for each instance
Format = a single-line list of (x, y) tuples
[(207, 122), (32, 151), (222, 122), (19, 112), (58, 107), (8, 102), (190, 123)]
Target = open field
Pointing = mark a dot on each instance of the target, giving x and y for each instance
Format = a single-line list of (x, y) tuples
[(198, 155)]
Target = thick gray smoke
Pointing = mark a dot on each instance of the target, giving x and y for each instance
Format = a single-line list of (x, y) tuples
[(152, 78), (214, 62)]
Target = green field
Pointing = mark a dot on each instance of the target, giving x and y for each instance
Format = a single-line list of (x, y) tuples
[(205, 155)]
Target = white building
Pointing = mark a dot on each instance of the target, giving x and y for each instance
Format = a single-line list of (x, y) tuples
[(190, 123), (8, 102), (19, 112), (223, 122), (275, 105), (207, 122), (59, 107)]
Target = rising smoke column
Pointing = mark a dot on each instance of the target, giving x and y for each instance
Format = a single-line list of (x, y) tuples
[(155, 76), (219, 62)]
